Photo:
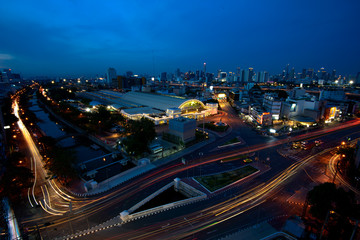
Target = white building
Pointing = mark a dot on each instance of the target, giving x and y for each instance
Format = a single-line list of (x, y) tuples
[(272, 105)]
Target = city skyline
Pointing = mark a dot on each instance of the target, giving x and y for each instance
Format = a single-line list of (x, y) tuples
[(81, 38)]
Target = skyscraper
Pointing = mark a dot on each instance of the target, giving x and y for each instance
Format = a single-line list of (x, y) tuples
[(357, 80), (163, 77), (246, 76), (303, 73), (250, 74), (110, 76), (292, 74), (333, 75)]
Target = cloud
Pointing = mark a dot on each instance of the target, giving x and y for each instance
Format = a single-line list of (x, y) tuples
[(4, 56)]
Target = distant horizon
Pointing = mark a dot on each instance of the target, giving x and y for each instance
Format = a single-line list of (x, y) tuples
[(78, 37), (69, 75)]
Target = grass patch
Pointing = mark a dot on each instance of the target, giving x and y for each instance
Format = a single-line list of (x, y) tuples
[(234, 158), (215, 128), (220, 180), (231, 141)]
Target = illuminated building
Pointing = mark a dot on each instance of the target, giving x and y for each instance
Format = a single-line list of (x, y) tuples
[(261, 117), (160, 108), (272, 105)]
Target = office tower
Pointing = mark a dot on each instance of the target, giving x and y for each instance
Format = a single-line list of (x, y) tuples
[(110, 76), (266, 76), (292, 74), (238, 75), (205, 69), (245, 76), (333, 75), (286, 73), (129, 74), (197, 75), (357, 80), (303, 73), (251, 74), (178, 73), (163, 77), (258, 77), (310, 73)]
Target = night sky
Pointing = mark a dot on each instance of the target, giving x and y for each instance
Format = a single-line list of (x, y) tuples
[(59, 37)]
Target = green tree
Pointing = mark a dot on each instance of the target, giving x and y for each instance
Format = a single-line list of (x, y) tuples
[(14, 180), (142, 132), (282, 94), (85, 101), (321, 198), (338, 205), (60, 163)]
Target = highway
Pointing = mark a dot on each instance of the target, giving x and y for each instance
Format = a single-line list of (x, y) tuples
[(87, 212)]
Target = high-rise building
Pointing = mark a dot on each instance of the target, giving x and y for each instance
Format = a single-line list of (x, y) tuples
[(197, 75), (303, 73), (163, 77), (251, 74), (292, 74), (310, 73), (110, 76), (357, 79), (129, 74), (333, 75), (258, 77), (178, 73), (266, 76), (245, 76)]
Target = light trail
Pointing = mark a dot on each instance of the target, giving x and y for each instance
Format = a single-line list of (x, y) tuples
[(338, 176), (28, 195)]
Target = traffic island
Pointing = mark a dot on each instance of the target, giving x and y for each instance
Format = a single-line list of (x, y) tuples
[(172, 195), (218, 181)]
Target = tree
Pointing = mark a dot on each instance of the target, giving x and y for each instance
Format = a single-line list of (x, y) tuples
[(335, 204), (321, 198), (14, 180), (142, 132), (60, 163), (282, 94), (85, 101)]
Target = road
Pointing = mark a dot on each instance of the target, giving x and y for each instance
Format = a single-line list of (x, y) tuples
[(92, 211)]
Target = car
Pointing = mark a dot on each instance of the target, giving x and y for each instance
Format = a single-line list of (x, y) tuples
[(247, 160)]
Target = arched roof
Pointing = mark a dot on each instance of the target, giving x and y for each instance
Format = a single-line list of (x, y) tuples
[(161, 102), (191, 101)]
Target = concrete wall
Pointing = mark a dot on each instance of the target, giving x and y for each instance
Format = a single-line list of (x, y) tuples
[(197, 195)]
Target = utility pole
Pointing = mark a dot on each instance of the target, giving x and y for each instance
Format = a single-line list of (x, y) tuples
[(325, 222)]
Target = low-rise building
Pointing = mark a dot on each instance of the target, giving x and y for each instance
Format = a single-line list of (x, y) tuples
[(262, 118), (272, 105), (184, 128)]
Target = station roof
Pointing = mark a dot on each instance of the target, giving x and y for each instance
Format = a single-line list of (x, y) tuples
[(141, 110), (153, 100)]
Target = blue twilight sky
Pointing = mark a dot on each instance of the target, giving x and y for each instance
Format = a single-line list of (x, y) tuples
[(84, 37)]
